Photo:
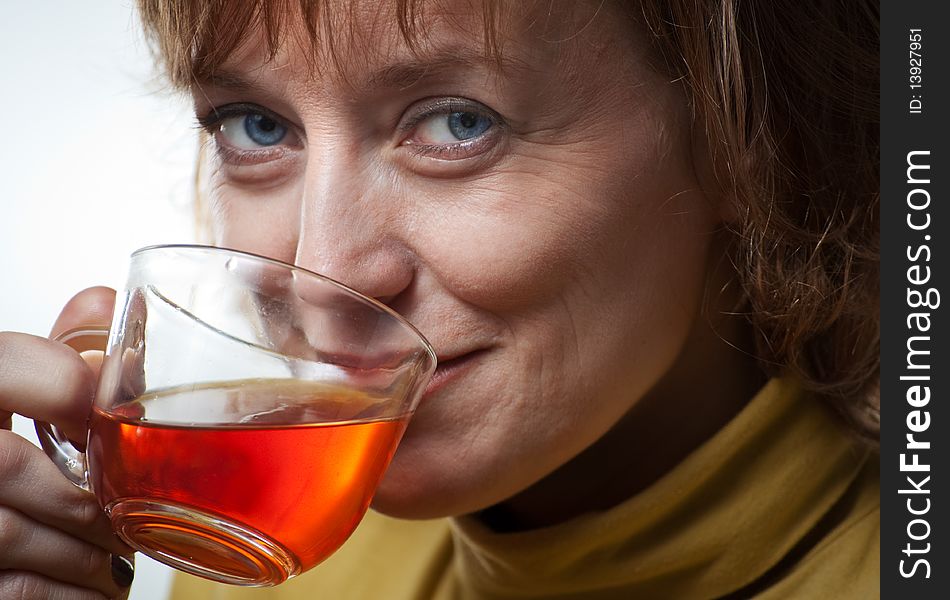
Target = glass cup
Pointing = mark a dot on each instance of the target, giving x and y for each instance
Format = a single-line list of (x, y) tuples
[(246, 411)]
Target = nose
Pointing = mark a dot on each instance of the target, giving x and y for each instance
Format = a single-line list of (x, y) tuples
[(350, 230)]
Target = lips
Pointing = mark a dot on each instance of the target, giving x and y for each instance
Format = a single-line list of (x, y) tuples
[(451, 369)]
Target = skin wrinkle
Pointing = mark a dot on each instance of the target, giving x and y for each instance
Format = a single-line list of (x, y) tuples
[(576, 356)]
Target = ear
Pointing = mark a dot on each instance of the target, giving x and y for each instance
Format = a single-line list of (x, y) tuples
[(711, 174)]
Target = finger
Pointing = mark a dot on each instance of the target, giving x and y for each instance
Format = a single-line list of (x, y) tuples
[(23, 585), (91, 307), (46, 381), (33, 486), (123, 572), (38, 548)]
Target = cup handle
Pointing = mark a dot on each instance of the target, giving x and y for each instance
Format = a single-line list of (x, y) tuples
[(70, 461)]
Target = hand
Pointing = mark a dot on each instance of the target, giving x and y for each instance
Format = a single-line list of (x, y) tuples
[(55, 541)]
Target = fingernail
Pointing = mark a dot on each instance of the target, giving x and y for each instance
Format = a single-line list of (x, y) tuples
[(122, 571)]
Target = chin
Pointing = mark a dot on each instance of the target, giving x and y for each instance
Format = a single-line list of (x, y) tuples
[(410, 505), (406, 496), (421, 489)]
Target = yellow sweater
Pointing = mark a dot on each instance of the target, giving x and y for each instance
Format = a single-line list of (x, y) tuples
[(778, 504)]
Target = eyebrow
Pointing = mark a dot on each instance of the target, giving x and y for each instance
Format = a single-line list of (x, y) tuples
[(228, 80), (398, 75)]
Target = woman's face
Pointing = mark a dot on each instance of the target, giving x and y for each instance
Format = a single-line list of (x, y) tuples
[(538, 218)]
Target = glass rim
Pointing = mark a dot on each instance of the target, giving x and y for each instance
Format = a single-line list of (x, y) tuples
[(279, 263)]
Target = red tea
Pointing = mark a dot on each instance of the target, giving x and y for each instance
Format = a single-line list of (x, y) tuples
[(303, 486)]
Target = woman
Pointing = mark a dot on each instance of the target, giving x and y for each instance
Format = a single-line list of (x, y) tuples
[(642, 240)]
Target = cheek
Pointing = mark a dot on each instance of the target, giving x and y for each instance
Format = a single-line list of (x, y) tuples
[(649, 293), (513, 238), (265, 221), (516, 241), (497, 260), (638, 291)]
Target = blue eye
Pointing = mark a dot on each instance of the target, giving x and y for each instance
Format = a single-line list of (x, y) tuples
[(467, 125), (263, 130), (248, 129), (447, 128)]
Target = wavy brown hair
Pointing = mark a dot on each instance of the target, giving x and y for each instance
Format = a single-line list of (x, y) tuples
[(787, 93)]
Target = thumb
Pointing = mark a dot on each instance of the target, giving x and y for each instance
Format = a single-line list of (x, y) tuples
[(91, 308)]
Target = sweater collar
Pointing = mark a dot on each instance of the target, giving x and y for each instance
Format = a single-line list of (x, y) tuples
[(715, 523)]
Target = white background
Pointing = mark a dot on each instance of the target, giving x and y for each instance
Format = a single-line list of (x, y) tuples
[(97, 160)]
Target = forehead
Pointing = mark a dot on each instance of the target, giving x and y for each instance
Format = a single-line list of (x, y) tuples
[(358, 39)]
